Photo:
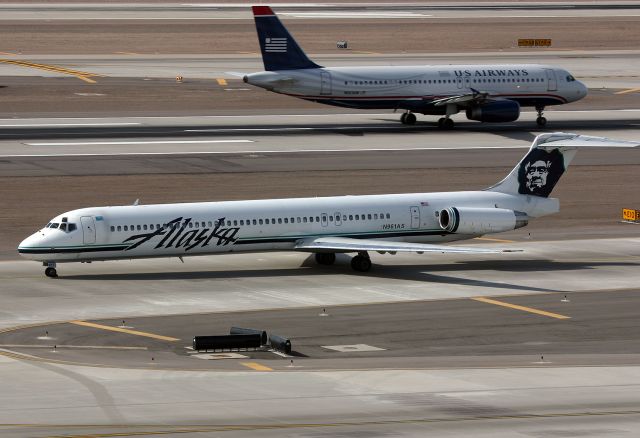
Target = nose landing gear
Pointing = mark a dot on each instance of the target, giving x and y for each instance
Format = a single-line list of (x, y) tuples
[(50, 270), (541, 121)]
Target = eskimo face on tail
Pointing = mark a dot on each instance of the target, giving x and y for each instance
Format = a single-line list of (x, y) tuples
[(540, 171)]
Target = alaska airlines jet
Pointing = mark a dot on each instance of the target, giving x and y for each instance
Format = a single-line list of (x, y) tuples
[(416, 222), (486, 93)]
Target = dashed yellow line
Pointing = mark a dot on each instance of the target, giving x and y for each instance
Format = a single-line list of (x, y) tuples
[(523, 308), (221, 81), (630, 90), (256, 366), (124, 330), (126, 53)]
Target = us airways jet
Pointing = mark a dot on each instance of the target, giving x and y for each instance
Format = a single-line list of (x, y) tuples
[(417, 222), (486, 93)]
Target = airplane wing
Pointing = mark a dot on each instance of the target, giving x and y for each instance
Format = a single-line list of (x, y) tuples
[(475, 97), (346, 244)]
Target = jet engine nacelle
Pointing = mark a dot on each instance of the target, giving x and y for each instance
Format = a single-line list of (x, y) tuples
[(497, 111), (468, 220)]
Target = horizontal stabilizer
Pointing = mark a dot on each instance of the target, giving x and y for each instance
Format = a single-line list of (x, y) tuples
[(346, 244), (568, 140)]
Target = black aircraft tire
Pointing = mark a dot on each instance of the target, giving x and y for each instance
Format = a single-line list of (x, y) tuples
[(410, 119), (448, 124), (403, 118), (541, 121), (361, 264), (325, 258), (51, 272)]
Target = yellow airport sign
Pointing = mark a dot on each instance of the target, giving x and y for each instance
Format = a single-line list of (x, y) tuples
[(630, 215), (534, 42)]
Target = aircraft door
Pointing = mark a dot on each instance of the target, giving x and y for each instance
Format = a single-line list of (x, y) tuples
[(324, 219), (325, 83), (415, 217), (552, 83), (338, 218), (88, 229)]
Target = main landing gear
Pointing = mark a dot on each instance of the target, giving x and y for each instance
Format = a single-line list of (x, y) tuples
[(541, 121), (445, 123), (325, 258), (408, 119), (50, 271), (361, 262)]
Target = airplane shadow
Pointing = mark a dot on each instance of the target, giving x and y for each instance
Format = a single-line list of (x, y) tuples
[(431, 273)]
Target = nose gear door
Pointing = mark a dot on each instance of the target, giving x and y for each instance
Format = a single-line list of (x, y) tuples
[(88, 230)]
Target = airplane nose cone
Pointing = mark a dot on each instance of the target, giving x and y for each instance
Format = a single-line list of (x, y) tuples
[(25, 247), (582, 90)]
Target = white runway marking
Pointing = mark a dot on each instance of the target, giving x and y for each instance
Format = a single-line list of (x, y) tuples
[(54, 125), (284, 151), (115, 143)]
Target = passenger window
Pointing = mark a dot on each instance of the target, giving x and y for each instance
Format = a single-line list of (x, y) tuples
[(255, 222), (388, 216), (286, 220), (350, 217), (311, 219), (273, 221), (298, 220), (119, 228), (144, 227), (344, 217), (279, 220), (235, 223), (330, 218), (369, 216), (112, 228), (375, 216), (241, 222), (357, 217), (304, 219), (260, 221), (126, 228), (292, 220), (317, 218)]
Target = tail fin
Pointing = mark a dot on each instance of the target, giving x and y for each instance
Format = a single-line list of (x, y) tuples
[(549, 156), (279, 50)]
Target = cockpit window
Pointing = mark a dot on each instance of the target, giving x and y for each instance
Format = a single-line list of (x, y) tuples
[(63, 226), (53, 225), (71, 227), (570, 78)]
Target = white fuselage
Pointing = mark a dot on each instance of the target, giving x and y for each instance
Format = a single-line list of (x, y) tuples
[(171, 230), (415, 87)]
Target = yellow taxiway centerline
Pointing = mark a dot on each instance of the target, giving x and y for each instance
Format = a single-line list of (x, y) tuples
[(82, 75), (491, 239), (124, 330), (222, 81), (256, 366), (523, 308), (630, 90)]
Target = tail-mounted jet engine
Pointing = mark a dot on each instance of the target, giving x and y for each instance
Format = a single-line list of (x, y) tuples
[(468, 220), (497, 111)]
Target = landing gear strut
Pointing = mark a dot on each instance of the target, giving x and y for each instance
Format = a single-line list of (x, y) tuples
[(408, 119), (541, 121), (325, 258), (50, 271), (361, 262), (445, 123)]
